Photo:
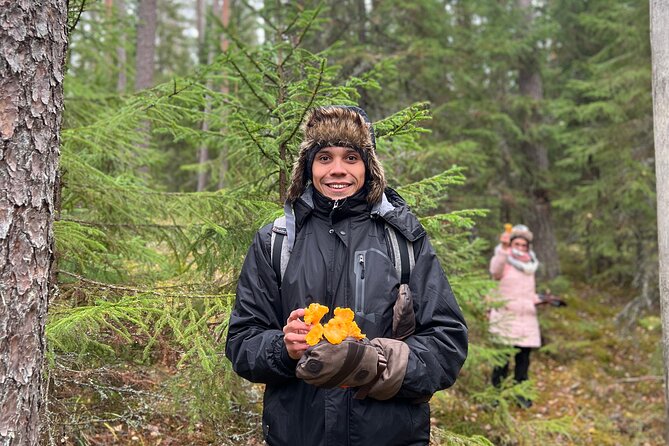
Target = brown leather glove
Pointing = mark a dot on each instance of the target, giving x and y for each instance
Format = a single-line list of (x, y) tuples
[(393, 360), (352, 363)]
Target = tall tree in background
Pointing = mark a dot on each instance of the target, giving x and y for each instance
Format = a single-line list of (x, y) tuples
[(121, 54), (226, 10), (146, 44), (32, 45), (600, 78), (659, 39), (116, 9), (210, 43), (538, 213), (205, 57)]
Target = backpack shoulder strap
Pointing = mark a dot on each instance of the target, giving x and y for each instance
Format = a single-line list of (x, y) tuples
[(401, 253), (282, 240), (278, 238)]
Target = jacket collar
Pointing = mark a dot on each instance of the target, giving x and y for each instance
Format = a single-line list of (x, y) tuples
[(391, 208)]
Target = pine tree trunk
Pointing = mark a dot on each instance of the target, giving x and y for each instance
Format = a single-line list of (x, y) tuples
[(32, 55), (121, 55), (539, 216), (146, 44), (659, 38), (225, 20), (205, 57), (362, 21), (281, 99)]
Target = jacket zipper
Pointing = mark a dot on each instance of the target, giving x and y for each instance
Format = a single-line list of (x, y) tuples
[(329, 291), (359, 270)]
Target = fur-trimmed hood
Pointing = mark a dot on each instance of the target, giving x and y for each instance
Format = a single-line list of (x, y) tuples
[(342, 126)]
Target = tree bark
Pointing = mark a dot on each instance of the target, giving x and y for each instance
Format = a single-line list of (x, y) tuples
[(205, 57), (539, 217), (146, 44), (659, 40), (281, 98), (362, 20), (32, 55), (121, 56), (225, 43)]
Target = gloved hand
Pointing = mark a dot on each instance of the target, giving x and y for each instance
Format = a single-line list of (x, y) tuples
[(505, 239), (352, 363), (551, 299)]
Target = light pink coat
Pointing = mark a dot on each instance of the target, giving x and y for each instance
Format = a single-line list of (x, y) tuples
[(516, 323)]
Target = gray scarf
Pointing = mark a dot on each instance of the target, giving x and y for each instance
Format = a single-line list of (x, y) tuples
[(519, 260)]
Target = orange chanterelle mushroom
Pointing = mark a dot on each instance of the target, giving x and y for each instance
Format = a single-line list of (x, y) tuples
[(335, 330)]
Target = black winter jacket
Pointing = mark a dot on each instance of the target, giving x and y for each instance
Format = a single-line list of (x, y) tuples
[(324, 267)]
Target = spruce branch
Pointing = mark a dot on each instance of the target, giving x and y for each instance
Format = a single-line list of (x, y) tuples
[(251, 87), (175, 91), (73, 26), (290, 25), (302, 34), (261, 13), (254, 62), (258, 144), (403, 121), (123, 225), (141, 291), (310, 102)]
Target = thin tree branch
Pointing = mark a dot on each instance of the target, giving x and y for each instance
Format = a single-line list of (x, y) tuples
[(302, 35), (287, 29), (261, 14), (257, 143), (635, 379), (76, 21), (260, 69), (250, 86), (139, 290), (312, 99), (125, 225)]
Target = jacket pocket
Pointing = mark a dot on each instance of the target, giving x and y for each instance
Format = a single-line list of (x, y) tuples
[(374, 278)]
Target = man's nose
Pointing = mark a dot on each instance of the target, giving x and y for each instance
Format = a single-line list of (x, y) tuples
[(338, 167)]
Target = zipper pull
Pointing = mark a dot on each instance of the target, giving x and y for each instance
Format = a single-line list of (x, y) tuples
[(335, 205), (361, 261)]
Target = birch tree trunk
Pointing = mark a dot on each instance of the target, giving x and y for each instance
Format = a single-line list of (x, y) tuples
[(659, 42), (32, 54)]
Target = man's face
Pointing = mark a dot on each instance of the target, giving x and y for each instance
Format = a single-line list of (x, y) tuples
[(338, 172)]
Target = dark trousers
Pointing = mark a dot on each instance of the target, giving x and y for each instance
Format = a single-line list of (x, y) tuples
[(522, 365)]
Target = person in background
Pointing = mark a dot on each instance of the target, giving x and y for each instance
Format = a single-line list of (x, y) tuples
[(374, 392), (515, 323)]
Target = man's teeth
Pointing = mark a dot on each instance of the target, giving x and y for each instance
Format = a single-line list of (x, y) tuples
[(338, 186)]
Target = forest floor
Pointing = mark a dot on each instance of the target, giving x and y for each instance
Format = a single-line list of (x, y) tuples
[(593, 385)]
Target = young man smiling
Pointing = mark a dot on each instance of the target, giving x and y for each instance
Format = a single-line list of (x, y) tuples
[(338, 172), (338, 211)]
